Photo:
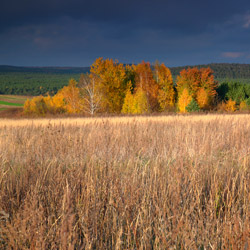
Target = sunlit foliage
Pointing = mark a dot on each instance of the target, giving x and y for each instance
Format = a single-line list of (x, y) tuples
[(231, 105), (71, 95), (166, 92), (110, 84), (145, 81), (183, 101), (136, 103), (200, 85)]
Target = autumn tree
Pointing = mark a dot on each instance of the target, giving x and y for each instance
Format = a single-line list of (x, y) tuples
[(35, 106), (141, 105), (89, 94), (184, 100), (71, 97), (58, 103), (207, 88), (231, 105), (165, 82), (145, 81), (136, 103), (110, 84), (202, 98), (199, 84), (66, 100), (130, 77), (188, 79), (128, 105)]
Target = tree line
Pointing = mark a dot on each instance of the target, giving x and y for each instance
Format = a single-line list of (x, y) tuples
[(41, 80), (33, 84), (112, 87)]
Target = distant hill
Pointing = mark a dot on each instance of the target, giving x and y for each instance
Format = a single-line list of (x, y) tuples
[(43, 70), (221, 70)]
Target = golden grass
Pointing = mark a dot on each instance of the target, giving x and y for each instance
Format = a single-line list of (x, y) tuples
[(119, 119), (173, 182)]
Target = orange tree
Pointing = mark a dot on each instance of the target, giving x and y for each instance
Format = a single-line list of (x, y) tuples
[(207, 88), (199, 84), (144, 80)]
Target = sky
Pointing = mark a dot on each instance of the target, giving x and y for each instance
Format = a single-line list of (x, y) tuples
[(76, 32)]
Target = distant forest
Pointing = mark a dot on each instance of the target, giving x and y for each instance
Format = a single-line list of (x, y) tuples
[(41, 80), (221, 70)]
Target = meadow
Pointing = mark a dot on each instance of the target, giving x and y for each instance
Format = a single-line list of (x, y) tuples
[(160, 182)]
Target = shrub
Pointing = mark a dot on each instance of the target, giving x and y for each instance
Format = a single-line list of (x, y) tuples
[(243, 106), (230, 105), (36, 105)]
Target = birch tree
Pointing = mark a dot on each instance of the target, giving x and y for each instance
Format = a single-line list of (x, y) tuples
[(89, 94)]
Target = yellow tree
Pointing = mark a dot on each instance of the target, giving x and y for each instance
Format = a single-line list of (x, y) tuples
[(141, 105), (184, 99), (144, 80), (166, 87), (136, 103), (71, 97), (202, 98), (58, 103), (35, 106), (110, 84), (231, 105), (128, 105), (27, 108)]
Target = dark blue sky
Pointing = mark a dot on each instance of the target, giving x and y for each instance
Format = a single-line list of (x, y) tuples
[(75, 33)]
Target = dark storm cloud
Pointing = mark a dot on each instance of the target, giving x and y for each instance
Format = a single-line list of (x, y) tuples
[(178, 14), (75, 32)]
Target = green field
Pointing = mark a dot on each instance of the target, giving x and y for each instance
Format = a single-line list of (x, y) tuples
[(8, 101), (11, 104)]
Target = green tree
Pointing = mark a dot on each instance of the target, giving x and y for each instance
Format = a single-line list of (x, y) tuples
[(193, 106)]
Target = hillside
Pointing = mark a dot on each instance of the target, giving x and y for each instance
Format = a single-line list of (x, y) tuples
[(41, 80)]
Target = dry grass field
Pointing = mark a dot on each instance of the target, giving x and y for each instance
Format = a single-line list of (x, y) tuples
[(173, 182)]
